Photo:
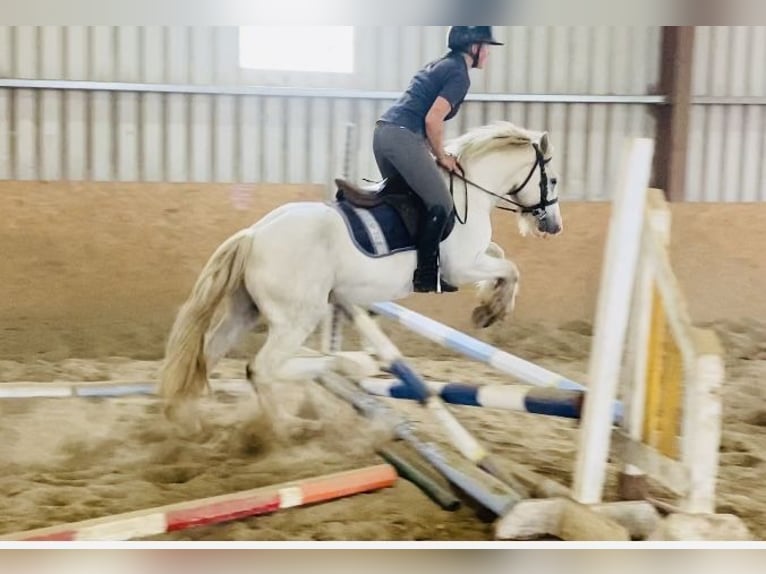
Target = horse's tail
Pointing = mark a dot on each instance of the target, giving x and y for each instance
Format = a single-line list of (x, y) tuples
[(184, 371)]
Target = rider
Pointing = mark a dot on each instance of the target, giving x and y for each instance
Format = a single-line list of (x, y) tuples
[(415, 122)]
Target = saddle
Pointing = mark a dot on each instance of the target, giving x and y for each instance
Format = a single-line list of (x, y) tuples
[(365, 196), (393, 192)]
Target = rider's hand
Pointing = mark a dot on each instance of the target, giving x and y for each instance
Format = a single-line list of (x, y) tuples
[(449, 162)]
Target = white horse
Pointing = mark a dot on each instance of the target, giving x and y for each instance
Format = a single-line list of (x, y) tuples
[(286, 267)]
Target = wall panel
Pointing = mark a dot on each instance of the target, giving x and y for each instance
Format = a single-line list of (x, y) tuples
[(727, 148), (130, 136)]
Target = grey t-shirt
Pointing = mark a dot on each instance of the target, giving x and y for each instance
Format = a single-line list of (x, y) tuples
[(446, 77)]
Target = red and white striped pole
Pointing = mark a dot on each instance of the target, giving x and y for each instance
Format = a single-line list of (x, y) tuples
[(215, 510)]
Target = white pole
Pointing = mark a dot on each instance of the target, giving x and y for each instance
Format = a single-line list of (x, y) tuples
[(332, 330), (332, 325), (347, 173), (617, 282)]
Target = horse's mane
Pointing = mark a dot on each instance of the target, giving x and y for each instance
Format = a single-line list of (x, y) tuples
[(489, 137)]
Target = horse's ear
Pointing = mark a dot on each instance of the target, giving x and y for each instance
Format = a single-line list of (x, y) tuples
[(544, 143)]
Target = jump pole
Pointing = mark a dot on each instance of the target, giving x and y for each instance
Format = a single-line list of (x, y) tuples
[(409, 470), (473, 348), (577, 523), (463, 440), (30, 390), (519, 398), (483, 487), (482, 352), (332, 324), (218, 509)]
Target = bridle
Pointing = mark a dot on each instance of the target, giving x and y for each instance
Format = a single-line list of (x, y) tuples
[(538, 209)]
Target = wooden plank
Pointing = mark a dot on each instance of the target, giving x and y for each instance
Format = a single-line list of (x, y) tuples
[(670, 473)]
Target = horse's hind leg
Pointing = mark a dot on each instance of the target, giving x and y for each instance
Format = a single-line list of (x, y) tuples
[(276, 362), (240, 317)]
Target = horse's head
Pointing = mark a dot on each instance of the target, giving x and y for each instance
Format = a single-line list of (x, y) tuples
[(514, 166), (538, 193)]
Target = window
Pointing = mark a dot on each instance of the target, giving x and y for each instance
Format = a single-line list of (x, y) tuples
[(297, 48)]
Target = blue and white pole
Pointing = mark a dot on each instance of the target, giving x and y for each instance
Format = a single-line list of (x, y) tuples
[(102, 389), (477, 350), (521, 398)]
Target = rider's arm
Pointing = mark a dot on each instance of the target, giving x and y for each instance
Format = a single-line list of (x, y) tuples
[(435, 126)]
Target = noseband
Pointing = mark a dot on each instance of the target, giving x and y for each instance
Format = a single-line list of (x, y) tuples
[(538, 209)]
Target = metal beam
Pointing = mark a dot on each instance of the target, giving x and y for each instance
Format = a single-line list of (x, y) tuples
[(279, 91), (729, 101), (254, 90), (672, 134)]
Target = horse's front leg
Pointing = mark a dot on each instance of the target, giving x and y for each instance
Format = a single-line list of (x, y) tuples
[(497, 296), (498, 282)]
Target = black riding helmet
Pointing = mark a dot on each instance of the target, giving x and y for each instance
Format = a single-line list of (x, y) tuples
[(460, 38)]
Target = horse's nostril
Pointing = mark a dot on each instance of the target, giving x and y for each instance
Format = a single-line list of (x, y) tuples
[(550, 227)]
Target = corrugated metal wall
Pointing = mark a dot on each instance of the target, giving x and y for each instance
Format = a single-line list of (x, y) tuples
[(727, 140), (129, 136)]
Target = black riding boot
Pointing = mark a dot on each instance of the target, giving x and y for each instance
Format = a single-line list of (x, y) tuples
[(426, 277)]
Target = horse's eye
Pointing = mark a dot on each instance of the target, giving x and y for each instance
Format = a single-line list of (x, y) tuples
[(554, 181)]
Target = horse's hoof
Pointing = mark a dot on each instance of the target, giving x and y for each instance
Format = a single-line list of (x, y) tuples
[(483, 316)]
